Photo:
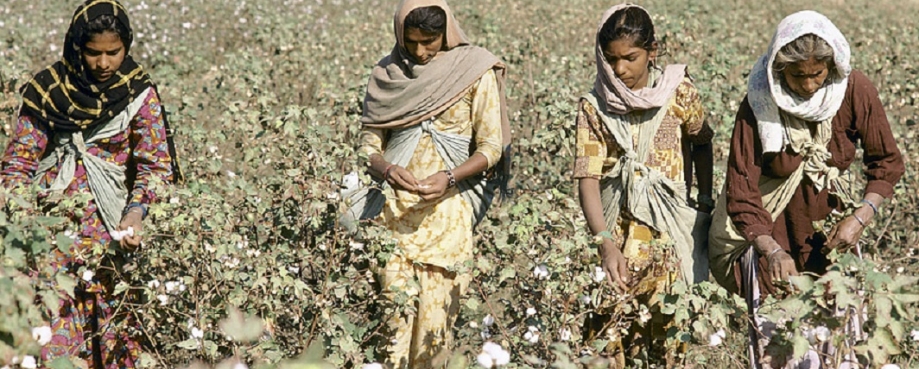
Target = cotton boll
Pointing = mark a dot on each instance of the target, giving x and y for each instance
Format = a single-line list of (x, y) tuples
[(564, 334), (886, 366), (532, 334), (598, 275), (197, 333), (28, 362), (372, 366), (488, 320), (42, 335), (541, 271), (914, 334), (88, 275), (240, 366), (716, 338), (485, 360), (531, 311)]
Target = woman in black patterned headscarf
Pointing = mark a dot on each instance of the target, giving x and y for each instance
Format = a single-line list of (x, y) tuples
[(92, 124)]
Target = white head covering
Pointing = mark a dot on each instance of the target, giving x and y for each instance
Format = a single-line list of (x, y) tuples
[(766, 95)]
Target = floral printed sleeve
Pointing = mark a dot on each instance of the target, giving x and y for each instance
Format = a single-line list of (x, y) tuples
[(26, 147), (486, 118), (150, 150)]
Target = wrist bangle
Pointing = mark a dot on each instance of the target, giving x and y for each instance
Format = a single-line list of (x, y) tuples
[(777, 249), (143, 210), (872, 205), (451, 178), (859, 219), (386, 172)]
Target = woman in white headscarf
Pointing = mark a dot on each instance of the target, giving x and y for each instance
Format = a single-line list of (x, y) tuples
[(795, 136)]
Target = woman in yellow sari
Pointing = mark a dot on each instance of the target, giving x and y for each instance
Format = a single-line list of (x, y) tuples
[(435, 129)]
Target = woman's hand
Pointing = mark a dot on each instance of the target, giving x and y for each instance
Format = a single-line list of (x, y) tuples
[(781, 265), (401, 179), (846, 233), (132, 219), (434, 187), (615, 266)]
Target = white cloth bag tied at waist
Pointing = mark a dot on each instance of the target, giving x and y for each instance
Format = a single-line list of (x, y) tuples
[(106, 180)]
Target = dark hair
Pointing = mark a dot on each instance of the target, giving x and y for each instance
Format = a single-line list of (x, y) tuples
[(632, 23), (430, 19), (101, 24)]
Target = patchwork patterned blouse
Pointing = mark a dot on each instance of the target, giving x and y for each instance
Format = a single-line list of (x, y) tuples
[(597, 153)]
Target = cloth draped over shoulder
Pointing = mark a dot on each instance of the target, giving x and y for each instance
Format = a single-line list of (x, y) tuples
[(614, 96), (768, 97), (785, 122), (67, 97), (107, 181), (402, 97)]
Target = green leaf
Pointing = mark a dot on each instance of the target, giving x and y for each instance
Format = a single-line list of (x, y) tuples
[(66, 283), (189, 344), (800, 345), (802, 282), (61, 363)]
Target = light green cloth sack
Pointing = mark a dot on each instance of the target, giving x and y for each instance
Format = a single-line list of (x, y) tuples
[(106, 180)]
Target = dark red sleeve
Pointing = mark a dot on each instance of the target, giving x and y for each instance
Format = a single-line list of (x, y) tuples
[(744, 202), (883, 161)]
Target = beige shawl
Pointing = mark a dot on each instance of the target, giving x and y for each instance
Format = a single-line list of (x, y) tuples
[(615, 97), (401, 94)]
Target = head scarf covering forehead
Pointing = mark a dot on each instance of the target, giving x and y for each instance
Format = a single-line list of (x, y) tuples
[(455, 35), (767, 96), (616, 97), (66, 96), (401, 93)]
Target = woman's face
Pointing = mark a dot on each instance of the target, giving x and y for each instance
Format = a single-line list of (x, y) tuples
[(422, 46), (103, 55), (629, 62), (804, 78)]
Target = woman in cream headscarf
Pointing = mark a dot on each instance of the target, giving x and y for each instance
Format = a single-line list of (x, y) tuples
[(634, 131), (435, 129), (794, 139)]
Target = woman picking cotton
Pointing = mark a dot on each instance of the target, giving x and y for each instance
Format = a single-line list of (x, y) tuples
[(794, 139), (92, 124), (633, 129), (434, 121)]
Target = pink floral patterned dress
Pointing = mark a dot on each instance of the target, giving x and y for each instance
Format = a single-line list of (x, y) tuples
[(88, 326)]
